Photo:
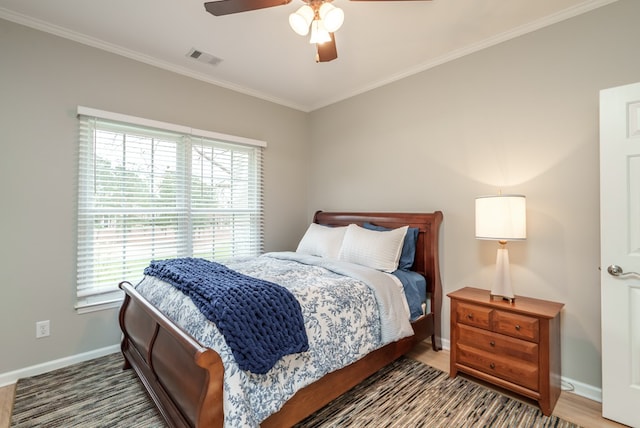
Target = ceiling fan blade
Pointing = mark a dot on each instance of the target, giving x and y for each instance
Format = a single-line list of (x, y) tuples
[(227, 7), (327, 51)]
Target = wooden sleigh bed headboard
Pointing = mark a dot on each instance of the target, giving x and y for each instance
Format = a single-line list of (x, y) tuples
[(185, 378), (426, 262)]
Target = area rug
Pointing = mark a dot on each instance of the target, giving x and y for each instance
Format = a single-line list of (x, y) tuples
[(98, 393)]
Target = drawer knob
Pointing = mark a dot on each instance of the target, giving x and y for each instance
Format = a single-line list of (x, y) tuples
[(492, 365), (518, 327), (492, 343), (470, 316)]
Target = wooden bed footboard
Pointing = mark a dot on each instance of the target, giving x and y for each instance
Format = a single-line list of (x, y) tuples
[(183, 378)]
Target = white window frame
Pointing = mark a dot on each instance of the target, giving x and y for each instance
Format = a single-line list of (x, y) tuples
[(91, 296)]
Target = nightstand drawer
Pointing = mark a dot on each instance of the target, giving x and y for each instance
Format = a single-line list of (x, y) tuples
[(477, 316), (511, 369), (516, 325), (498, 344)]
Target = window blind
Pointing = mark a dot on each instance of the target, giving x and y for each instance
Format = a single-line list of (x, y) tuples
[(149, 190)]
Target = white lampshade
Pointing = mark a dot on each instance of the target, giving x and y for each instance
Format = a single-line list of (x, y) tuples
[(301, 20), (319, 33), (501, 217), (331, 16)]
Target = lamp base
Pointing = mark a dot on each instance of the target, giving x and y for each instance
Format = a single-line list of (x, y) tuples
[(498, 297), (502, 282)]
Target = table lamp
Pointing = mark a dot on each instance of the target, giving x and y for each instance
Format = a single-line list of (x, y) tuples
[(501, 218)]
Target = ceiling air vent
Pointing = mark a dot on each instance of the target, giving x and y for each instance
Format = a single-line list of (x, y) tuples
[(203, 57)]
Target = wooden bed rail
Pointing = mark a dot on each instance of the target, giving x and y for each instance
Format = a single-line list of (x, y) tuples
[(336, 383)]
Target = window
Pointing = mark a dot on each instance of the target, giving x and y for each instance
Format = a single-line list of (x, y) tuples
[(151, 190)]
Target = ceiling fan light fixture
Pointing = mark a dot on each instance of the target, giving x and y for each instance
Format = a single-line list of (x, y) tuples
[(331, 16), (319, 33), (301, 19)]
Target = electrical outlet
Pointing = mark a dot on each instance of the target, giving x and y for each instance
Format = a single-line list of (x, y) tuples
[(42, 329)]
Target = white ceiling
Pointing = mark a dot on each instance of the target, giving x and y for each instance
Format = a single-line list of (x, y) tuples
[(380, 41)]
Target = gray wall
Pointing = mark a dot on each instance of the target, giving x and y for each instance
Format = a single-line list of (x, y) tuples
[(521, 117), (42, 80)]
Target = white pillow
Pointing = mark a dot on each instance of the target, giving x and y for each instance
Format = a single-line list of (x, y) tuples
[(372, 248), (322, 241)]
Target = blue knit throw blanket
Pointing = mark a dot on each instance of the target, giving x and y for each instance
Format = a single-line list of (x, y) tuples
[(260, 321)]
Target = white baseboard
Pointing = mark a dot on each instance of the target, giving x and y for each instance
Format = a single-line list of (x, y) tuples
[(584, 390), (579, 388), (446, 344), (13, 376)]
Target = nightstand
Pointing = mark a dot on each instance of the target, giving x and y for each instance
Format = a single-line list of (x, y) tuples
[(512, 345)]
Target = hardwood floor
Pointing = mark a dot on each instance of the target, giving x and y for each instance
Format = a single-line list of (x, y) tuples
[(6, 405), (570, 407)]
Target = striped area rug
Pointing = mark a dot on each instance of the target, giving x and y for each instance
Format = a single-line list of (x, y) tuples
[(408, 393), (95, 393), (98, 393)]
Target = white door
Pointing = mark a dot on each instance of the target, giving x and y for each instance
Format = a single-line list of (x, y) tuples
[(620, 252)]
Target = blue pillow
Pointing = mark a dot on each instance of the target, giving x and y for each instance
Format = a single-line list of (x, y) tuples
[(408, 247)]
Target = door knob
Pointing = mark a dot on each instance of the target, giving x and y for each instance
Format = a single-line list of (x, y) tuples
[(615, 270)]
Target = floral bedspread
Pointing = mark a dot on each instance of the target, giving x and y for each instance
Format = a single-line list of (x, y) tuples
[(341, 317)]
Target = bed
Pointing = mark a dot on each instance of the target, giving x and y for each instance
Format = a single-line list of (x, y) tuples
[(186, 379)]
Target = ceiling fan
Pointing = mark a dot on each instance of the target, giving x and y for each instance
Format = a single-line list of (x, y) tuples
[(318, 16)]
